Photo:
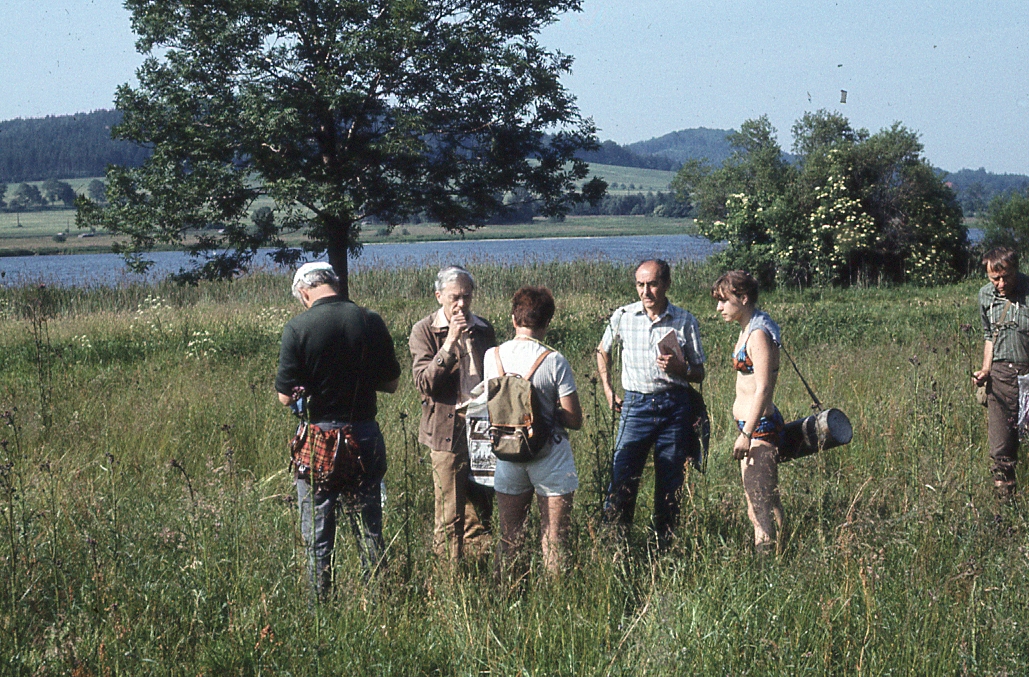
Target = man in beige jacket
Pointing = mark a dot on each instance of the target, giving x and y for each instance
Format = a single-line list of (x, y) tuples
[(447, 349)]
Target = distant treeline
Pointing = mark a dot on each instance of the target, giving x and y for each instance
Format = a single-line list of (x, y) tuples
[(78, 146), (63, 147), (610, 153), (975, 188), (638, 204), (666, 152)]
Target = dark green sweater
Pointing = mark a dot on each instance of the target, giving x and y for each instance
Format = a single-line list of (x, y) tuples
[(322, 351)]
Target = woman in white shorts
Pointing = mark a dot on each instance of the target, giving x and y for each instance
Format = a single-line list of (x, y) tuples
[(551, 475)]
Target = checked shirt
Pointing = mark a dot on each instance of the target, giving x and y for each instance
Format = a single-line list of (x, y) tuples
[(639, 337)]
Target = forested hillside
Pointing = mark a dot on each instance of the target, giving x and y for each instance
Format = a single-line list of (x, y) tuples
[(975, 188), (63, 147), (687, 144), (610, 153)]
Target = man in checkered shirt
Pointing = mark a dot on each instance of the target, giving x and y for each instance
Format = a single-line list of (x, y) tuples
[(661, 353)]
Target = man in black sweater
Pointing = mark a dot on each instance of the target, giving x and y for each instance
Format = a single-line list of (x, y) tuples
[(337, 355)]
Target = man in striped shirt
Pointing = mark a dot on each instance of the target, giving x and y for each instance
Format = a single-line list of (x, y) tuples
[(661, 354)]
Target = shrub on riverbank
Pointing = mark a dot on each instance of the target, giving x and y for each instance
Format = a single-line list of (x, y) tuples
[(150, 527)]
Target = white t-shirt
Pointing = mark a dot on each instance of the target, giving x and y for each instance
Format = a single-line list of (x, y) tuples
[(553, 379)]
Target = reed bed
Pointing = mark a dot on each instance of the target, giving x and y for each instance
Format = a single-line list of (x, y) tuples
[(148, 524)]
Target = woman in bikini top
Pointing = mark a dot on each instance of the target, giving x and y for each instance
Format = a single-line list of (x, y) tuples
[(756, 361)]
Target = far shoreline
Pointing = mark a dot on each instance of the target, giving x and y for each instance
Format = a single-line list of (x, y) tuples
[(540, 229)]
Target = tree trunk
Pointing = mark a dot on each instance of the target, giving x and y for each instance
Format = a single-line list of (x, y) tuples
[(337, 248)]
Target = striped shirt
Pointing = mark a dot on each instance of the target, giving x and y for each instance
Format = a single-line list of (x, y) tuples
[(639, 336)]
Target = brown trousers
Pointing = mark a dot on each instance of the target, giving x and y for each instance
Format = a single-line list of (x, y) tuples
[(464, 509), (1002, 416)]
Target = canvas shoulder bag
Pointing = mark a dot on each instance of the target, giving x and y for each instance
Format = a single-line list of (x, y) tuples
[(516, 429)]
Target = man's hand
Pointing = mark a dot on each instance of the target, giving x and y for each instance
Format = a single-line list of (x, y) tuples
[(741, 448), (980, 377), (613, 400), (671, 364), (458, 325)]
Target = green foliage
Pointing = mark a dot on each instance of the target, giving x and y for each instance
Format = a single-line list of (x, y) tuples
[(25, 197), (58, 191), (854, 208), (65, 146), (96, 191), (339, 111), (976, 188), (152, 528), (1007, 222)]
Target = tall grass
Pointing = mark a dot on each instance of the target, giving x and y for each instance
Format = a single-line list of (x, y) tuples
[(148, 525)]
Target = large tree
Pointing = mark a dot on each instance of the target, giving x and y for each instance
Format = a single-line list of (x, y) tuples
[(26, 196), (339, 111), (58, 191)]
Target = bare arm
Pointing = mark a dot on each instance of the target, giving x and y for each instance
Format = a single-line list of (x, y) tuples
[(285, 399), (569, 411), (980, 376), (604, 372)]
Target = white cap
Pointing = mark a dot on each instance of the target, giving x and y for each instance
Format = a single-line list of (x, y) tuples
[(310, 268)]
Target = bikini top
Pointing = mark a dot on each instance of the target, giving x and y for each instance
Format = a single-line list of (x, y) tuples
[(741, 361)]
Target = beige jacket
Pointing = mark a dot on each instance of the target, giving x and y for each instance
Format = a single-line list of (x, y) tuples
[(437, 376)]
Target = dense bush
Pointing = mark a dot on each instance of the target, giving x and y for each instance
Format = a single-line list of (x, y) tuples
[(853, 207)]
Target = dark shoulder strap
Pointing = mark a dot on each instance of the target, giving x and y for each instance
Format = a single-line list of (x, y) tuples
[(500, 365), (814, 398), (536, 364)]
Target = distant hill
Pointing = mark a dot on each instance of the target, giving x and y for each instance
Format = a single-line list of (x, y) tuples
[(610, 153), (666, 152), (687, 144), (63, 147)]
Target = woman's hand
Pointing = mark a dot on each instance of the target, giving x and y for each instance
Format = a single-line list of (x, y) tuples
[(741, 448)]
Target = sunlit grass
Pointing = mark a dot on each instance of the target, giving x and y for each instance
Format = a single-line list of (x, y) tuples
[(151, 528)]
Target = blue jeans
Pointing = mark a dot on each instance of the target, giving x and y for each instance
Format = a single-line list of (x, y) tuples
[(363, 508), (658, 420)]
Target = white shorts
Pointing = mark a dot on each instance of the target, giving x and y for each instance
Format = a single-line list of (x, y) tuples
[(550, 474)]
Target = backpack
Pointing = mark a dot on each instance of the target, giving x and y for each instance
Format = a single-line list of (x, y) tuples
[(516, 429)]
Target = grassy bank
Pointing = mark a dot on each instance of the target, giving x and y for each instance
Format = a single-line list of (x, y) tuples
[(35, 235), (147, 524)]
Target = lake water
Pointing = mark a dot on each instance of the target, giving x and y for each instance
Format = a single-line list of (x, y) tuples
[(109, 269)]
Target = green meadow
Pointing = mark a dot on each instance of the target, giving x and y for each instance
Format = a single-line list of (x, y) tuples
[(148, 523), (33, 232)]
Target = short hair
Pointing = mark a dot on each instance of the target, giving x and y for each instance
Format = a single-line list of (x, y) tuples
[(532, 307), (739, 283), (1001, 258), (664, 271), (314, 277), (450, 275)]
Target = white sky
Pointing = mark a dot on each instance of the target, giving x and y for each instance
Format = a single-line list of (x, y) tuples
[(957, 72)]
